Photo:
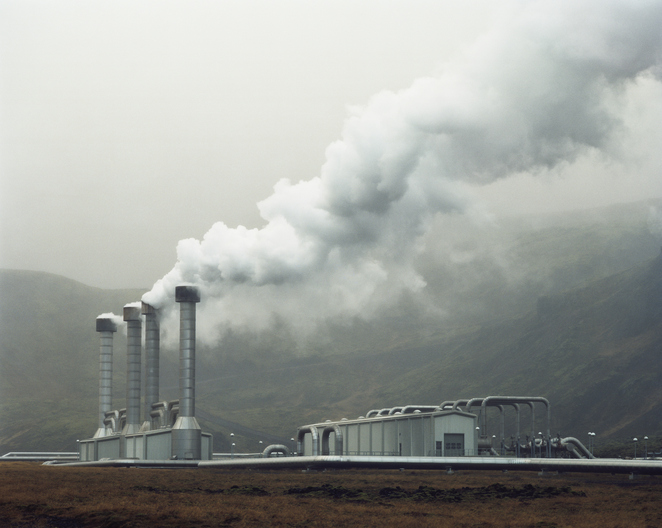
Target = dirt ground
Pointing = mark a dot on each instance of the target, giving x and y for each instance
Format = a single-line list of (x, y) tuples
[(32, 495)]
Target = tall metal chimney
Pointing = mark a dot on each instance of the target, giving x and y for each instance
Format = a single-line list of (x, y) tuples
[(105, 327), (133, 352), (186, 433), (152, 352)]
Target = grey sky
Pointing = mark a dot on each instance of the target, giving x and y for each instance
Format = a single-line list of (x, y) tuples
[(127, 126)]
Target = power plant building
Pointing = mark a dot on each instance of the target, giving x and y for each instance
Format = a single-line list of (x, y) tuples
[(411, 431), (169, 431)]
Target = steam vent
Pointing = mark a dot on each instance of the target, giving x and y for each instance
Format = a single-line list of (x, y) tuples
[(454, 434), (168, 430)]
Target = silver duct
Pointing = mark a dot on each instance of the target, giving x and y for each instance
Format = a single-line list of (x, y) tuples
[(186, 433), (152, 353), (105, 327), (133, 353)]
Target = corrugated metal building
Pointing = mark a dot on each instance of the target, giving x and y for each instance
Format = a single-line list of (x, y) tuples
[(410, 432)]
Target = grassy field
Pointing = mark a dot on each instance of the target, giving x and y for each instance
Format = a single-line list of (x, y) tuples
[(38, 496)]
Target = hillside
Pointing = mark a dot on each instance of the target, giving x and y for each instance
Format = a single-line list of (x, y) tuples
[(49, 357), (574, 316), (594, 352)]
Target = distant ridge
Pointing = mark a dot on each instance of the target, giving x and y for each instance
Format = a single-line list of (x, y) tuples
[(594, 351)]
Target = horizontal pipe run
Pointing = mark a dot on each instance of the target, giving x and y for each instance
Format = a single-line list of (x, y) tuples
[(610, 465), (596, 465)]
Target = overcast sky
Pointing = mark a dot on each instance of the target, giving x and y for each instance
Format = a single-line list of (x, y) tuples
[(127, 126)]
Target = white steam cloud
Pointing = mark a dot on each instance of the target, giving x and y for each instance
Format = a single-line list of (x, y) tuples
[(540, 88), (116, 319)]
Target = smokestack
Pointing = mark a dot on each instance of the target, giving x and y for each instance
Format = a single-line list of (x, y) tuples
[(133, 351), (152, 352), (186, 433), (105, 327)]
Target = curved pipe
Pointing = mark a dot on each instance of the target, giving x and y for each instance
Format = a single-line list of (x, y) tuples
[(338, 445), (459, 403), (495, 400), (313, 432), (576, 447), (121, 421), (483, 414), (159, 414), (275, 448), (442, 405), (111, 422), (468, 403), (394, 410), (423, 408), (173, 412), (384, 411), (372, 412)]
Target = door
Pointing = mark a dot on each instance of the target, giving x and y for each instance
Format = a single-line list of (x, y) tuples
[(453, 444)]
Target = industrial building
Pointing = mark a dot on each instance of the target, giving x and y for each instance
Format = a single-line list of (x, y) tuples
[(167, 432), (413, 431)]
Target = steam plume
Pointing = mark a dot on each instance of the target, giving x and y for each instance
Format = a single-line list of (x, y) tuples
[(539, 89)]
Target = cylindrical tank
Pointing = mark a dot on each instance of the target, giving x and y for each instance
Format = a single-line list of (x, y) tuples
[(105, 327), (186, 433), (152, 352), (133, 362)]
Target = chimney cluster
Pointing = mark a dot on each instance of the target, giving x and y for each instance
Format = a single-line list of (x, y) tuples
[(185, 440)]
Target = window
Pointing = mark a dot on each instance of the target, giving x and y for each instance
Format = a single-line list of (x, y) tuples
[(453, 444)]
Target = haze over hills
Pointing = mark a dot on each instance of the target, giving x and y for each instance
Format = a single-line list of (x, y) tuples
[(565, 306)]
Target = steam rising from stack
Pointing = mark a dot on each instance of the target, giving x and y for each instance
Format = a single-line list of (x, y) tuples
[(540, 89)]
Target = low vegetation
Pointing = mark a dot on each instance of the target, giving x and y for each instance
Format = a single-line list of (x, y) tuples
[(65, 497)]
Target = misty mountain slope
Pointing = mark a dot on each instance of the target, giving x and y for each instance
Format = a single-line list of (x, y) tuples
[(594, 352), (49, 353), (487, 272)]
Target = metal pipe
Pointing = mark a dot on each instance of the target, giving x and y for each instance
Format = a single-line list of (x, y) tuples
[(338, 445), (133, 352), (105, 327), (423, 408), (529, 400), (459, 403), (577, 448), (276, 448), (599, 465), (186, 433), (315, 439), (501, 428), (447, 403), (112, 422), (152, 352)]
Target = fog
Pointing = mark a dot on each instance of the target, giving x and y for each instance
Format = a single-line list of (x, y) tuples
[(292, 159)]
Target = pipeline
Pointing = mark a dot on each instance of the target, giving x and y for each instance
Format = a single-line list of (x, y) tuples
[(275, 448), (575, 447)]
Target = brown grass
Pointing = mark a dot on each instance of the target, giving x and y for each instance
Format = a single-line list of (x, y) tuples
[(38, 496)]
